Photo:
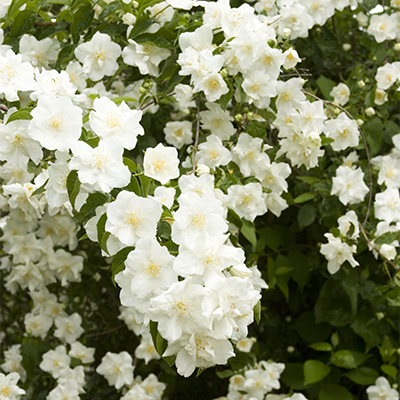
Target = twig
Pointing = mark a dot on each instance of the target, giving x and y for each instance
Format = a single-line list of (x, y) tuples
[(3, 108), (196, 142), (105, 332), (373, 247), (152, 102), (366, 151)]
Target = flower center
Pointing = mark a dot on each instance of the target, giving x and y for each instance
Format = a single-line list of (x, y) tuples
[(133, 218), (199, 221), (153, 270), (56, 122)]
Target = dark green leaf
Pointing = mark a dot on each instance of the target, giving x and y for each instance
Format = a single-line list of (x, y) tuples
[(40, 189), (227, 373), (390, 370), (130, 164), (73, 186), (348, 358), (88, 210), (306, 215), (387, 238), (24, 23), (314, 371), (249, 232), (325, 86), (304, 197), (257, 312), (256, 129), (373, 130), (109, 9), (363, 376), (83, 18), (321, 346), (334, 392)]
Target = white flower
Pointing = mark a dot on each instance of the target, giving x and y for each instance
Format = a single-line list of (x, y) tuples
[(213, 153), (245, 344), (343, 130), (161, 163), (68, 328), (101, 167), (55, 361), (382, 27), (8, 386), (56, 123), (98, 56), (85, 354), (349, 185), (146, 350), (340, 94), (39, 52), (178, 133), (218, 121), (117, 369), (112, 122), (15, 75), (131, 217), (337, 252), (382, 390), (387, 205), (38, 325), (165, 196)]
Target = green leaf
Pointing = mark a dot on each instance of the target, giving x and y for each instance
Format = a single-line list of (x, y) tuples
[(249, 232), (163, 38), (386, 349), (308, 179), (83, 18), (363, 376), (347, 358), (109, 9), (227, 373), (164, 230), (88, 210), (119, 259), (160, 344), (373, 130), (130, 164), (103, 243), (314, 371), (73, 186), (321, 346), (293, 376), (335, 339), (40, 189), (30, 354), (170, 360), (14, 6), (120, 99), (304, 197), (283, 270), (325, 86), (387, 238), (334, 392), (23, 113), (390, 370), (23, 23), (306, 215), (225, 98), (333, 304), (257, 312), (101, 227), (256, 129), (325, 141)]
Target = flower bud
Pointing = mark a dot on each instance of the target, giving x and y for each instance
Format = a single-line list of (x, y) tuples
[(142, 90), (286, 33), (346, 46), (360, 122), (290, 349), (240, 271), (202, 169), (238, 117), (396, 47), (370, 112), (380, 315), (361, 84), (128, 19), (224, 72)]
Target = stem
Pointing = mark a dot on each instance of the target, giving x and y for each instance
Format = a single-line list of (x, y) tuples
[(153, 101), (3, 108), (105, 332), (373, 247), (366, 151), (196, 142)]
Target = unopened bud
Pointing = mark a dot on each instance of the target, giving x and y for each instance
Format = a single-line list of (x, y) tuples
[(202, 169), (360, 122), (238, 117), (286, 33), (142, 90), (361, 84), (224, 72), (288, 318), (250, 116), (370, 112), (396, 47), (290, 349), (135, 4), (272, 42), (380, 315), (96, 276), (346, 46)]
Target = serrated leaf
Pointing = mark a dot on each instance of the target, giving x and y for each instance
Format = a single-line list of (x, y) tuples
[(314, 371), (321, 346), (304, 197), (73, 186), (257, 312), (363, 376)]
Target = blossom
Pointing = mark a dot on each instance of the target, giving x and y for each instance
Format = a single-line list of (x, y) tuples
[(340, 94), (178, 133), (55, 361), (213, 153), (39, 52), (68, 328), (56, 123), (131, 217), (343, 130), (337, 252), (382, 390), (111, 122), (117, 369), (349, 185), (161, 163), (8, 386), (98, 56)]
